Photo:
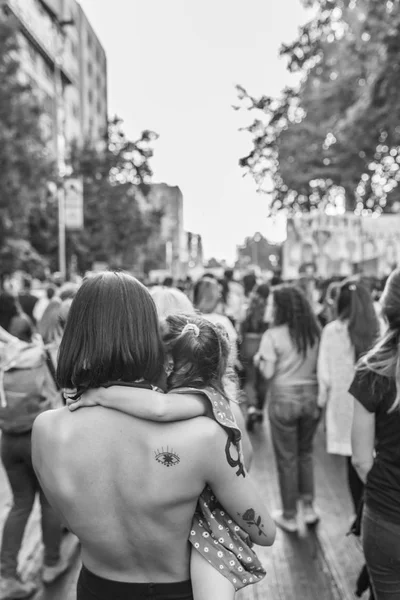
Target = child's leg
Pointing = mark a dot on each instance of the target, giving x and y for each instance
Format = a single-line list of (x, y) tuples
[(207, 582)]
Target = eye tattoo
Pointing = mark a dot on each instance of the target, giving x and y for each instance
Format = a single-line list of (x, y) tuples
[(250, 517), (167, 457)]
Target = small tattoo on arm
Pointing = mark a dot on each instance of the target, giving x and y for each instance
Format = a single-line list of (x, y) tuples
[(251, 519), (168, 457)]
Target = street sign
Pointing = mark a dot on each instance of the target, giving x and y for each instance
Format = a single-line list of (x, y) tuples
[(73, 189)]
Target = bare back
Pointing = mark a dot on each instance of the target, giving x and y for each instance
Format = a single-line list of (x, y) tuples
[(127, 488)]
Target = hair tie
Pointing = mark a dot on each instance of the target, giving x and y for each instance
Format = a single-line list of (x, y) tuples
[(352, 287), (191, 327)]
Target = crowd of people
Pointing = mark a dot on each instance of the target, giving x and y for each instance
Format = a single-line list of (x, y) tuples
[(162, 499)]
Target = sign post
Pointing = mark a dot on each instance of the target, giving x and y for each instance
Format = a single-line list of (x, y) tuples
[(73, 188)]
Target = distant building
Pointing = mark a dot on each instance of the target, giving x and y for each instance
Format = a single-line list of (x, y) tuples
[(66, 65), (169, 200), (195, 257), (167, 247), (260, 253)]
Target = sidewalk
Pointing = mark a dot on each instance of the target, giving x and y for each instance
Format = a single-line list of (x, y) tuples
[(321, 563)]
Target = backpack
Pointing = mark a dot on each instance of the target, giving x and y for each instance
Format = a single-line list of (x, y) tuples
[(27, 387)]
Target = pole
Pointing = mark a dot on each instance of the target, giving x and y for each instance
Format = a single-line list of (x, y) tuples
[(62, 261)]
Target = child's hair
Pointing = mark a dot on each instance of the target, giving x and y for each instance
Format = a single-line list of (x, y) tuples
[(200, 351)]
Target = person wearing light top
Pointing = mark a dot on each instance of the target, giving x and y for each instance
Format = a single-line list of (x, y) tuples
[(288, 359), (343, 342)]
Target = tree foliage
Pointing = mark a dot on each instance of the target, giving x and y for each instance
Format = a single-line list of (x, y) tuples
[(118, 218), (25, 162), (116, 174), (335, 138)]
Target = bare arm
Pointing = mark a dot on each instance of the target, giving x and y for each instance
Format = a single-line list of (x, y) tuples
[(246, 443), (239, 495), (145, 404), (324, 382), (6, 337), (363, 440)]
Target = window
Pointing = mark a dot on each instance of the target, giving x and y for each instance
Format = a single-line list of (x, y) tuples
[(89, 39), (90, 69), (99, 107), (90, 96), (75, 111)]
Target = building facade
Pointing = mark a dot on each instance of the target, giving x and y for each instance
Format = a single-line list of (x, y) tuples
[(63, 60)]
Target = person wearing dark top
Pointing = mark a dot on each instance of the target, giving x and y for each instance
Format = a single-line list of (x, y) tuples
[(13, 319), (27, 300), (376, 448)]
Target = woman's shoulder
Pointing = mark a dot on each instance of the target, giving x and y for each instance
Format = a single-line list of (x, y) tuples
[(334, 330), (371, 389), (278, 331)]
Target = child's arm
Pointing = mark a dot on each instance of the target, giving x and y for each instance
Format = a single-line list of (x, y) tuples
[(144, 404)]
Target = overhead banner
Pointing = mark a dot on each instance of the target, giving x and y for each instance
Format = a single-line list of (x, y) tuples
[(340, 245)]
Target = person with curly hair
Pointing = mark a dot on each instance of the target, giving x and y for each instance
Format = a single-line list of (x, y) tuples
[(287, 358)]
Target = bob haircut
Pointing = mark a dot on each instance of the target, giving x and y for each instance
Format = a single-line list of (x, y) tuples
[(112, 334)]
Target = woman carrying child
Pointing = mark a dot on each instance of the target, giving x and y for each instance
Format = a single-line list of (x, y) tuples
[(195, 385)]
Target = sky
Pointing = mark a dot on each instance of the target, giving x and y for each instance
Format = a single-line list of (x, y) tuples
[(172, 68)]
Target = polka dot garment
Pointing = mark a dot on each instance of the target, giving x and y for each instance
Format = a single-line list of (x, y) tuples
[(225, 545)]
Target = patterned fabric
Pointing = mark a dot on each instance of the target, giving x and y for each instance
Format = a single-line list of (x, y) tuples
[(225, 545)]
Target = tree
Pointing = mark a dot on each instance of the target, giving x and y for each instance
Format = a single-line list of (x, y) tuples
[(25, 162), (118, 219), (336, 138)]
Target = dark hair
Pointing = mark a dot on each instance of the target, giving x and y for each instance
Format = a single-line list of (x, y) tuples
[(254, 320), (27, 283), (9, 308), (168, 282), (355, 303), (50, 292), (292, 308), (207, 294), (200, 353), (249, 283), (112, 334)]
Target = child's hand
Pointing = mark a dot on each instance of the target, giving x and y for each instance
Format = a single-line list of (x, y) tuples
[(89, 398)]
